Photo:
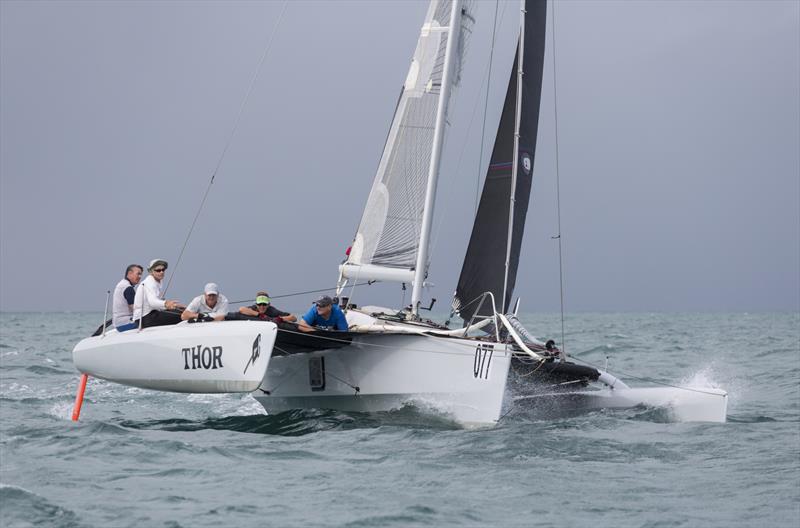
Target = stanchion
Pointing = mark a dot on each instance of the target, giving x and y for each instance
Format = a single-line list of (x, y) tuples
[(76, 412)]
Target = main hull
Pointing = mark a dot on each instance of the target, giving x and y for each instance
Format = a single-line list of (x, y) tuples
[(462, 378), (467, 379)]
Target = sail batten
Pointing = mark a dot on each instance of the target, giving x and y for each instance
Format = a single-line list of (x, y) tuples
[(492, 257)]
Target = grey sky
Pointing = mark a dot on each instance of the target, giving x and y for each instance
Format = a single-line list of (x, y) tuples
[(679, 140)]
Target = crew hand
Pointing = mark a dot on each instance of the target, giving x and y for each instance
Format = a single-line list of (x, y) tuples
[(277, 320)]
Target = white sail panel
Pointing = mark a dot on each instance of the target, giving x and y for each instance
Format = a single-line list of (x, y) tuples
[(389, 232)]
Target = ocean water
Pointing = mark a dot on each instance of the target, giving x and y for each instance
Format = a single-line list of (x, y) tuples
[(139, 458)]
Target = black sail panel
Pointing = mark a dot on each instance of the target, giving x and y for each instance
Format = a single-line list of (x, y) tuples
[(484, 264)]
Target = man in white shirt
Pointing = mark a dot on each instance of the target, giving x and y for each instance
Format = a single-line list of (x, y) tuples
[(149, 305), (124, 294), (211, 304)]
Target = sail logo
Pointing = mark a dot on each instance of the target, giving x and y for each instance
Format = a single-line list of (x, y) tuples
[(254, 355), (200, 357), (527, 163)]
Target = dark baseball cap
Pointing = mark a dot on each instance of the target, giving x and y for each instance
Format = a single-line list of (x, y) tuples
[(324, 301)]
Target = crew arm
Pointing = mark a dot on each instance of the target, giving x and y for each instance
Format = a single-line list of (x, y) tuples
[(153, 300), (303, 326), (273, 312), (130, 295), (246, 310), (220, 310), (191, 311), (188, 314), (304, 323)]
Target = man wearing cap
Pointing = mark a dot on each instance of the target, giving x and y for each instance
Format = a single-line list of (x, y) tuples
[(211, 304), (263, 309), (149, 306), (323, 314), (124, 293)]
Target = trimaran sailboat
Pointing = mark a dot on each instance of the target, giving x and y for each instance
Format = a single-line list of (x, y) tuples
[(390, 358)]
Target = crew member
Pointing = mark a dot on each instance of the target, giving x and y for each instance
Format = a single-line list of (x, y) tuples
[(124, 293), (149, 306), (263, 309), (323, 314), (211, 304)]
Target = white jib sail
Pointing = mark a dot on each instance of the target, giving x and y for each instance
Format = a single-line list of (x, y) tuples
[(387, 241)]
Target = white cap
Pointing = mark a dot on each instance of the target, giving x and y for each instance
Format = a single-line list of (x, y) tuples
[(156, 261), (212, 287)]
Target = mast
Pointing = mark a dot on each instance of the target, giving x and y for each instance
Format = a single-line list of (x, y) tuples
[(515, 159), (420, 270)]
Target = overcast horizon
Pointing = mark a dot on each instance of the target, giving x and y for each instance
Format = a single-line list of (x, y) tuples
[(678, 139)]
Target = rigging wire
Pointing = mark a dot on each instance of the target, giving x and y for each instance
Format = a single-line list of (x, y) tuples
[(228, 144), (295, 294), (486, 105), (558, 182)]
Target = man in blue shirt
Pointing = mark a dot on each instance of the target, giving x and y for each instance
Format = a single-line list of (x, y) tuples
[(323, 314)]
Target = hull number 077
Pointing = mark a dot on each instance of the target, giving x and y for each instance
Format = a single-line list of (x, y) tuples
[(483, 360)]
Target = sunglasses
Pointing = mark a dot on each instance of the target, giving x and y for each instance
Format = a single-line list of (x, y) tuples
[(262, 304), (159, 270)]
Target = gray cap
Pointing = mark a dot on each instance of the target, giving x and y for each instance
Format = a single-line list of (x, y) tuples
[(324, 301)]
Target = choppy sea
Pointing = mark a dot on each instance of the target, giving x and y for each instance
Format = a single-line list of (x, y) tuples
[(139, 458)]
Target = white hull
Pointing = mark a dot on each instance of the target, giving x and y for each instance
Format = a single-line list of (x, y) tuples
[(462, 378), (228, 356), (392, 364)]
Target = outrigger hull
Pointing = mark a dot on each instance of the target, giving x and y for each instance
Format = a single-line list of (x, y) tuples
[(682, 404), (215, 357), (558, 388)]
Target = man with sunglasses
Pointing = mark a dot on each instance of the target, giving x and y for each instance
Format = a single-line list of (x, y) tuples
[(263, 309), (149, 306)]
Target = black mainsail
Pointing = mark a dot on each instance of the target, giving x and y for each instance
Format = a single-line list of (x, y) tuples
[(484, 268)]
